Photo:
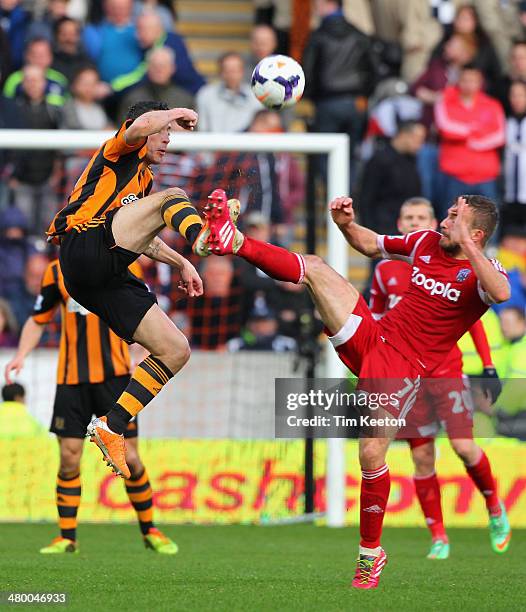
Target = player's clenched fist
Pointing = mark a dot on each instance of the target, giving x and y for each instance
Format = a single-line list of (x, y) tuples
[(342, 210)]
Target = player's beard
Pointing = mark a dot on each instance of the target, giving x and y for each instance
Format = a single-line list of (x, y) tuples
[(450, 247)]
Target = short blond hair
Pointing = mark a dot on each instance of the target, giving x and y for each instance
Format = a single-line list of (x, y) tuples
[(419, 201)]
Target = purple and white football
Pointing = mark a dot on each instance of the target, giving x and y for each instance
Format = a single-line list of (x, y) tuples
[(278, 81)]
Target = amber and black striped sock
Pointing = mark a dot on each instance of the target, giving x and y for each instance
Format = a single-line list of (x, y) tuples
[(179, 214), (68, 501), (148, 378), (140, 495)]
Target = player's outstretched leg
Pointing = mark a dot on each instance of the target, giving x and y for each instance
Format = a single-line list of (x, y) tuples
[(141, 497), (479, 470), (427, 490), (68, 492)]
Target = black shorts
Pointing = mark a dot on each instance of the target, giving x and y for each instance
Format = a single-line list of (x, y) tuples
[(75, 406), (96, 275)]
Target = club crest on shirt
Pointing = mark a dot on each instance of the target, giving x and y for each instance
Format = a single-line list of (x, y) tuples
[(463, 274)]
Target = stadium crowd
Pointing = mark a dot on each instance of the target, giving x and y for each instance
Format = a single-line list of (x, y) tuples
[(431, 92)]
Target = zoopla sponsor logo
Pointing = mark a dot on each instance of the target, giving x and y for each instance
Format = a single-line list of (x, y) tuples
[(433, 286)]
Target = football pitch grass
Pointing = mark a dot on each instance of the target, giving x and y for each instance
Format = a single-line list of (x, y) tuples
[(250, 568)]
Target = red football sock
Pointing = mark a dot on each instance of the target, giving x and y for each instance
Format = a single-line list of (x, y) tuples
[(481, 475), (428, 493), (374, 494), (275, 261)]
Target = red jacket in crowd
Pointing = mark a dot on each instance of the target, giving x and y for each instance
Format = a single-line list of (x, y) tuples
[(470, 136)]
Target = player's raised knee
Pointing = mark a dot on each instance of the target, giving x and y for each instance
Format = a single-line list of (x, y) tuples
[(175, 351), (172, 192)]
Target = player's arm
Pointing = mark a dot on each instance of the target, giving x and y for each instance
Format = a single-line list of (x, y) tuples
[(378, 295), (190, 282), (480, 340), (154, 121), (43, 312), (29, 339), (361, 238), (490, 382), (494, 283)]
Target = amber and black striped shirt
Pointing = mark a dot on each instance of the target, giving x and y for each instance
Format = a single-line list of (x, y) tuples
[(89, 350), (116, 175)]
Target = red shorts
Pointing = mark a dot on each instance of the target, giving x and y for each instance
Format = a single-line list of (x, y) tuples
[(378, 364), (441, 403)]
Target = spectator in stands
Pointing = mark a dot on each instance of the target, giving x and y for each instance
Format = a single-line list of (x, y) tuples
[(112, 43), (157, 84), (215, 315), (14, 21), (442, 70), (164, 10), (295, 313), (261, 333), (229, 104), (69, 56), (45, 26), (38, 53), (15, 419), (278, 14), (510, 407), (82, 111), (390, 104), (151, 34), (516, 71), (471, 128), (9, 118), (254, 283), (501, 19), (8, 326), (290, 177), (15, 250), (514, 211), (339, 72), (23, 304), (411, 25), (390, 177), (263, 42), (33, 169), (468, 24)]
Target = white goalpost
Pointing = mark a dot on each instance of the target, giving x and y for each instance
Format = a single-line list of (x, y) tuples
[(336, 146)]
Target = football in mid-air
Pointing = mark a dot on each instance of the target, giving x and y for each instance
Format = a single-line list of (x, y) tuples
[(278, 81)]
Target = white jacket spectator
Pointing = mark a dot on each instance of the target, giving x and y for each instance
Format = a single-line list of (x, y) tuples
[(228, 105)]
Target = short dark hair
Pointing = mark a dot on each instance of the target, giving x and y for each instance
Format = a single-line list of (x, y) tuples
[(472, 66), (58, 23), (145, 106), (485, 214), (407, 125), (12, 391)]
